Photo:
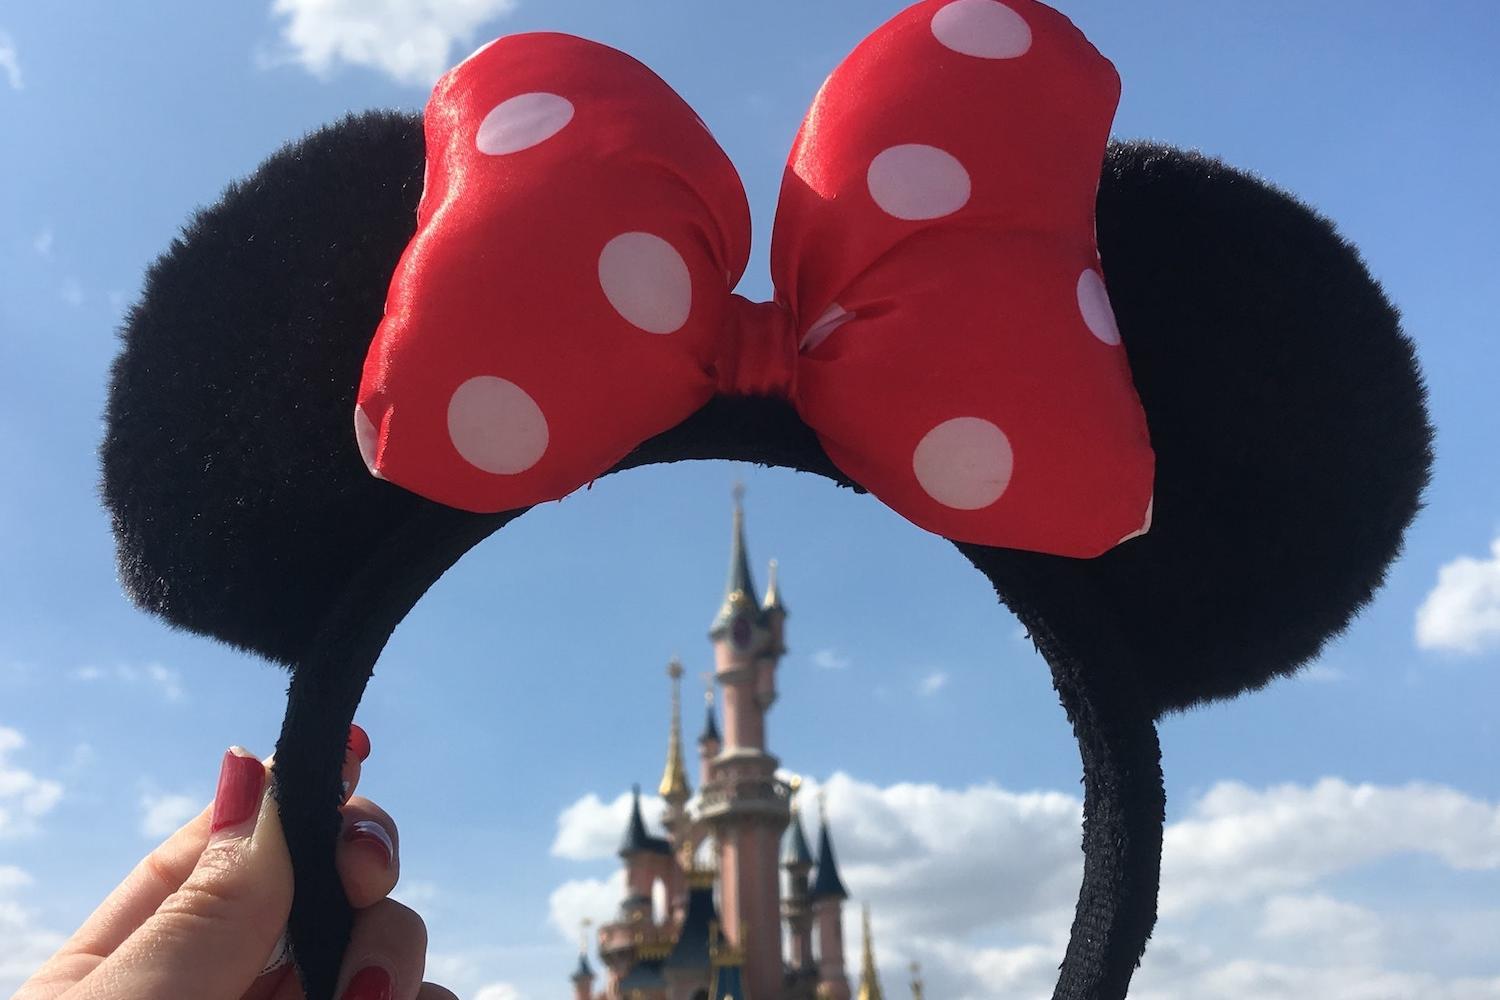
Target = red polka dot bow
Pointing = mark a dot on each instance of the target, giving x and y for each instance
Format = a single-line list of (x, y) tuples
[(940, 319)]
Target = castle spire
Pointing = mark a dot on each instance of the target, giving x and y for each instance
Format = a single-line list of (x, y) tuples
[(869, 979), (739, 588), (710, 732), (796, 856), (773, 601), (916, 981), (674, 783), (826, 883)]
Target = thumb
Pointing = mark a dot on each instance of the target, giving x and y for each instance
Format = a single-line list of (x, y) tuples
[(210, 938)]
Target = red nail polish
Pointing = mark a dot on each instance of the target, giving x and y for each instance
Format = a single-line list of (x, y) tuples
[(237, 799), (373, 983), (368, 831), (359, 742)]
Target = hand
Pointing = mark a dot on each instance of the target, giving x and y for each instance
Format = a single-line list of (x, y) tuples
[(202, 916)]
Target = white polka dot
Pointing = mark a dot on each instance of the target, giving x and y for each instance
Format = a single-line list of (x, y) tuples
[(918, 182), (984, 28), (833, 317), (964, 463), (496, 426), (1093, 302), (1145, 526), (367, 438), (647, 282), (522, 122)]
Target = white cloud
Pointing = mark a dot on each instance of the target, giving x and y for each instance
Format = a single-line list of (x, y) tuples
[(1239, 843), (1462, 613), (24, 942), (163, 814), (933, 682), (72, 292), (830, 659), (43, 242), (498, 991), (24, 798), (575, 901), (411, 41), (165, 680), (590, 829), (10, 62), (979, 884)]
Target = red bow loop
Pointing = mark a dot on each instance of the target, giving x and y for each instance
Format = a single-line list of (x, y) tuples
[(563, 296), (938, 211)]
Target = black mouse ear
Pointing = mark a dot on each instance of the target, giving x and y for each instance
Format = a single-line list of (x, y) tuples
[(240, 503), (1288, 417)]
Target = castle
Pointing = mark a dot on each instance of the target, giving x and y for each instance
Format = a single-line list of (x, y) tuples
[(727, 913)]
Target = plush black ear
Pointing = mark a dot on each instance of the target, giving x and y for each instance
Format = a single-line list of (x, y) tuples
[(240, 503), (1288, 418), (1284, 405)]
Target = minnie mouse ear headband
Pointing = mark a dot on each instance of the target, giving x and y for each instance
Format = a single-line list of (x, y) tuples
[(549, 300)]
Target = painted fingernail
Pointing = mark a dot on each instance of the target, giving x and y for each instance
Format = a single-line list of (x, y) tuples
[(359, 742), (372, 983), (367, 831), (242, 780)]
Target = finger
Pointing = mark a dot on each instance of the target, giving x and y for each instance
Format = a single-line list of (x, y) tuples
[(369, 856), (386, 956), (152, 880), (209, 939), (432, 991)]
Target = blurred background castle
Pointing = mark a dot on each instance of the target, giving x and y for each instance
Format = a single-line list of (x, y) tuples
[(731, 903)]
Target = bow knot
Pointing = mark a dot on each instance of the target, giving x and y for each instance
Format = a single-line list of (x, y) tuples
[(756, 351), (940, 318)]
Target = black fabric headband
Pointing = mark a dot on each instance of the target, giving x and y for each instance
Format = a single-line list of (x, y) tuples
[(1284, 403)]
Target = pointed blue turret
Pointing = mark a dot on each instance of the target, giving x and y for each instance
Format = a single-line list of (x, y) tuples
[(826, 883), (796, 853), (739, 588), (637, 840)]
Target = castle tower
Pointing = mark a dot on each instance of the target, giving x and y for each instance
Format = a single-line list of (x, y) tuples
[(828, 895), (869, 978), (796, 908), (743, 802)]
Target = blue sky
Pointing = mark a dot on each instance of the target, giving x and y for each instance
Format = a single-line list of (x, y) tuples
[(1337, 835)]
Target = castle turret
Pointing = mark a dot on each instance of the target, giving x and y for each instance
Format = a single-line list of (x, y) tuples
[(828, 895), (916, 981), (796, 907), (709, 741), (646, 858), (774, 613), (744, 803)]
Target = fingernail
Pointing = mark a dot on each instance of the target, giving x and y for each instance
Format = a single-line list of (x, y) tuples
[(367, 831), (359, 742), (242, 779), (372, 983)]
